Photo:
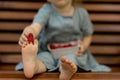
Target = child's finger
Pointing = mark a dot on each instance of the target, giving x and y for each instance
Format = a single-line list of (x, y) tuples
[(20, 43), (22, 40), (79, 53), (24, 36)]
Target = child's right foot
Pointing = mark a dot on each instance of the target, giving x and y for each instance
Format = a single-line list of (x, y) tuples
[(67, 69), (29, 54)]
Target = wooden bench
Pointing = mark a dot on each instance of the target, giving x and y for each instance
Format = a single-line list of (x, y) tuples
[(15, 15)]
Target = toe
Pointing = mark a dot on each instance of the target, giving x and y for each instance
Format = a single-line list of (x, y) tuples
[(36, 41), (63, 59)]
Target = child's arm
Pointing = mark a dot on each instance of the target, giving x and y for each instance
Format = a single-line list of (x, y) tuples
[(34, 28), (84, 44)]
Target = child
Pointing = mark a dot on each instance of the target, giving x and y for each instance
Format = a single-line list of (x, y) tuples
[(59, 22)]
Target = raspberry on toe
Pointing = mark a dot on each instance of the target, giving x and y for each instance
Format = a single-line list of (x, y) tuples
[(30, 38)]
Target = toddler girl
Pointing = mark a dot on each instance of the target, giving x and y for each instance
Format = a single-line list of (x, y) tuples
[(58, 22)]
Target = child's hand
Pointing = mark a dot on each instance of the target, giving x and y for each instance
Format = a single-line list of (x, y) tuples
[(24, 36), (81, 48)]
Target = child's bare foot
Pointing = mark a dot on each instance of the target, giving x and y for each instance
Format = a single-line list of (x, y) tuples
[(29, 57), (29, 53), (67, 69)]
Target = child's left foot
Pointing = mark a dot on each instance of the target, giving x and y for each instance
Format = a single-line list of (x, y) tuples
[(29, 54), (67, 69)]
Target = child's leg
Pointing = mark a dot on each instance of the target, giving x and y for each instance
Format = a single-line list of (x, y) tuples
[(67, 69), (29, 57)]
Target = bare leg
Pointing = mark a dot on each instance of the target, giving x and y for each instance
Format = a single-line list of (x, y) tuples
[(67, 69), (29, 57)]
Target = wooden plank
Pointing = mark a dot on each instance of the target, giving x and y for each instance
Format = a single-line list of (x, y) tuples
[(13, 26), (115, 69), (102, 7), (105, 17), (9, 37), (111, 39), (107, 27), (20, 5), (10, 48), (113, 50), (7, 67), (10, 58), (18, 15), (54, 76), (111, 60), (12, 74)]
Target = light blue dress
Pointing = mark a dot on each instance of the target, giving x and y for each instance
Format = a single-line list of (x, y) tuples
[(56, 29)]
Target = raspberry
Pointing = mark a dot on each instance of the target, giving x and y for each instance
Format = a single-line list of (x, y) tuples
[(52, 46), (67, 45), (59, 46), (30, 38)]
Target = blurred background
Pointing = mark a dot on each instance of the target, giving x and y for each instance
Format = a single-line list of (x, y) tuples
[(15, 15)]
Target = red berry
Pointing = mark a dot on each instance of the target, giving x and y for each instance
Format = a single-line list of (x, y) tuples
[(30, 38), (52, 46), (59, 46), (70, 45), (67, 45)]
